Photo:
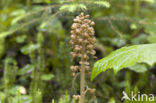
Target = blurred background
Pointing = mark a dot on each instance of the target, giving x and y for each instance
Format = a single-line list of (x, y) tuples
[(35, 51)]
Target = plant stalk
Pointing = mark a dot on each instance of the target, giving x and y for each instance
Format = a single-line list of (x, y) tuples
[(82, 80), (82, 84)]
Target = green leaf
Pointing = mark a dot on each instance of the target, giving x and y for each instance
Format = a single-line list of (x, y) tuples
[(103, 3), (133, 26), (73, 7), (149, 1), (126, 57), (112, 100), (23, 98), (150, 28), (29, 48), (26, 69), (53, 101), (54, 27), (47, 77), (139, 68), (18, 12), (4, 34), (18, 18), (18, 15), (2, 97), (2, 45), (152, 39), (20, 39)]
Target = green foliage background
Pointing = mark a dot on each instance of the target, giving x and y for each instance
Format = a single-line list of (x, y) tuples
[(34, 49)]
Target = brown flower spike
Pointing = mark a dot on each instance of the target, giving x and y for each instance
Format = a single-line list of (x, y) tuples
[(82, 40), (83, 44)]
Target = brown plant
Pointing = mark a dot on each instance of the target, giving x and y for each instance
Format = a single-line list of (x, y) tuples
[(83, 44)]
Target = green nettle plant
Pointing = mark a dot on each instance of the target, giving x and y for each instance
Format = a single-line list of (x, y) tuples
[(126, 57), (83, 44)]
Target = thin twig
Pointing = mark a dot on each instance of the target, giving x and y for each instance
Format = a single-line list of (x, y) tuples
[(113, 28), (86, 90)]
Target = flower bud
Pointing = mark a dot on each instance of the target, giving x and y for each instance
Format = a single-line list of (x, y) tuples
[(72, 32), (73, 36), (73, 54), (86, 63), (92, 23), (85, 41), (74, 26), (91, 29), (71, 42), (92, 33), (85, 56), (77, 31), (84, 26), (76, 97), (82, 14), (72, 68), (90, 46), (77, 49), (87, 21), (73, 74), (77, 20), (80, 40), (93, 52), (87, 16), (79, 55), (92, 40)]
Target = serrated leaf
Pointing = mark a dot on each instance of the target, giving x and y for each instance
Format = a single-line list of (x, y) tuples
[(126, 57), (139, 68)]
